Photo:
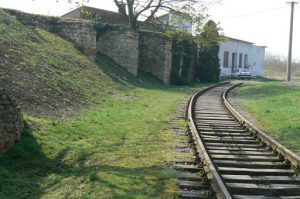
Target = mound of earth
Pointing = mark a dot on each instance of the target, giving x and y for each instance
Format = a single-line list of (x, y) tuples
[(46, 74)]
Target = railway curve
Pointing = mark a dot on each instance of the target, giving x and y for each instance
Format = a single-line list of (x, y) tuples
[(240, 160)]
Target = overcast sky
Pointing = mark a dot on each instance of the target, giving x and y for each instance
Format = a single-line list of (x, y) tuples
[(263, 22)]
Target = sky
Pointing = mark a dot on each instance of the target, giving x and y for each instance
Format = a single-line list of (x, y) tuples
[(263, 22)]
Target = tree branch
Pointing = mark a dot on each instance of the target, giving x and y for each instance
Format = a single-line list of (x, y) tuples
[(122, 11), (147, 7)]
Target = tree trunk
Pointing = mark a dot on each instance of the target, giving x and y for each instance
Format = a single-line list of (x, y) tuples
[(132, 23), (131, 15)]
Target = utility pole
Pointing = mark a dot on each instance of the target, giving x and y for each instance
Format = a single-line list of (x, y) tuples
[(289, 64)]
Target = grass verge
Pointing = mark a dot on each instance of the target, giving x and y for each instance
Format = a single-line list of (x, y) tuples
[(122, 149), (276, 107)]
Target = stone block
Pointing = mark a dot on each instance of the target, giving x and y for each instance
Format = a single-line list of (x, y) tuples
[(121, 46), (18, 136), (11, 123), (155, 56), (2, 145)]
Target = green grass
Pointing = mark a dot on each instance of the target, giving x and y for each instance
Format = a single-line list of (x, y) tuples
[(121, 149), (46, 73), (276, 107)]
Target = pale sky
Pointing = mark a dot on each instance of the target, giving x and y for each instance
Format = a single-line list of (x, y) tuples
[(263, 22)]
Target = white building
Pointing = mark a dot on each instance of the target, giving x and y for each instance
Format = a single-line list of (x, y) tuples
[(176, 21), (235, 53)]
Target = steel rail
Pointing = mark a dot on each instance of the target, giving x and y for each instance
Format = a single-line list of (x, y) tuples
[(226, 189), (212, 173), (270, 142)]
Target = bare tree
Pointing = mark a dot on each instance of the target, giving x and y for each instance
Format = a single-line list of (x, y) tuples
[(275, 66), (147, 10), (191, 11)]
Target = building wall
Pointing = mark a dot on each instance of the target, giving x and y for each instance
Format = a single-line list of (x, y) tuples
[(181, 24), (155, 55), (255, 54), (11, 123), (81, 32), (75, 14), (104, 16), (122, 46), (177, 22)]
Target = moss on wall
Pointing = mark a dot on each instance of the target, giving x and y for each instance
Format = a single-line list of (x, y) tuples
[(183, 55)]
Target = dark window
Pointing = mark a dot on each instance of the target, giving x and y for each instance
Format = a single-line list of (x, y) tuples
[(225, 59), (246, 61), (241, 60), (234, 60)]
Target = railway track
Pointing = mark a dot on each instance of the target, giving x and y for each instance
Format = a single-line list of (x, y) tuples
[(241, 161)]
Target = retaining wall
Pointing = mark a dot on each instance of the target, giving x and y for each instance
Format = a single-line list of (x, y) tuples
[(145, 51), (136, 51), (122, 45), (11, 123), (155, 55)]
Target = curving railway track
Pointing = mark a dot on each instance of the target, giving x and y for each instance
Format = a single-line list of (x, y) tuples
[(240, 161)]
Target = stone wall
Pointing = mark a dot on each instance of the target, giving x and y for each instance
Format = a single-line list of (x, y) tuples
[(81, 32), (155, 55), (143, 51), (122, 46), (83, 35), (11, 123)]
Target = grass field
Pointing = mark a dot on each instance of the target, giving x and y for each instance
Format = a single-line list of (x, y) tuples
[(276, 107), (121, 149)]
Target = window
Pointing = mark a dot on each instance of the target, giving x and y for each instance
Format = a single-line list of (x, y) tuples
[(234, 60), (241, 60), (225, 59), (246, 61)]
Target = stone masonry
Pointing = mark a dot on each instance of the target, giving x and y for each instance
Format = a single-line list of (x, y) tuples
[(148, 52), (82, 34), (144, 51), (155, 55), (122, 46), (11, 123)]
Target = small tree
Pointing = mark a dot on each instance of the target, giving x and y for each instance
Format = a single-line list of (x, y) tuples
[(208, 69)]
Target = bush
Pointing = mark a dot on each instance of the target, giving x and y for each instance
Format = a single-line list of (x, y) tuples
[(182, 58), (208, 68)]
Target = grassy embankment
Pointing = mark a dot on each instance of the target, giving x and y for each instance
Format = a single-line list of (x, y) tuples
[(119, 148), (47, 75), (276, 107)]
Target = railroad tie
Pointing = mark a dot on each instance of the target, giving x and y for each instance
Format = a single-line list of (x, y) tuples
[(239, 162)]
